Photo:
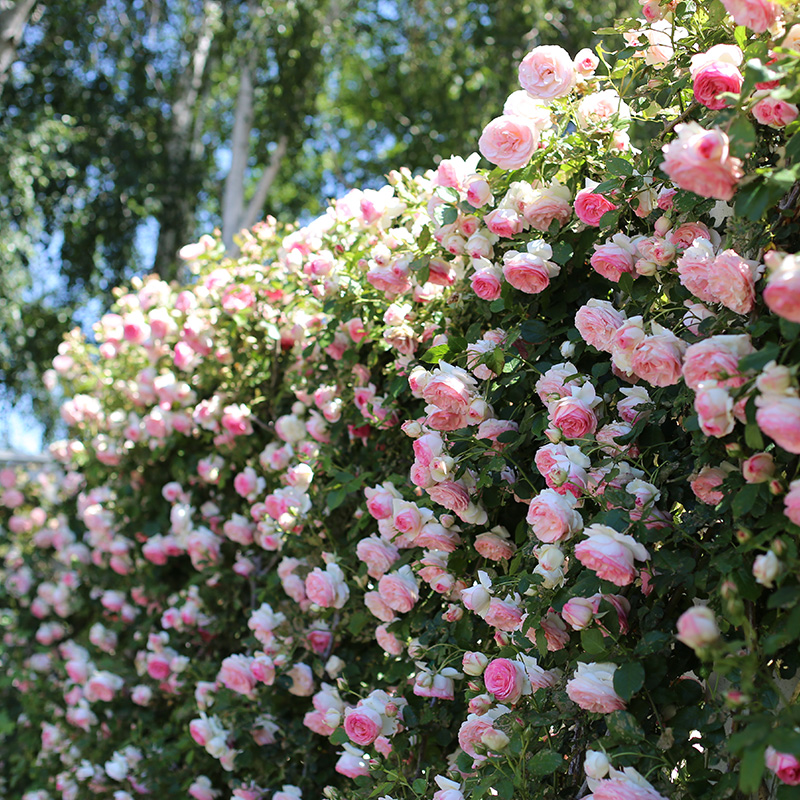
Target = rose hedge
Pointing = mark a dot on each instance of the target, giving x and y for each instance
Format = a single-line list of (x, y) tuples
[(483, 484)]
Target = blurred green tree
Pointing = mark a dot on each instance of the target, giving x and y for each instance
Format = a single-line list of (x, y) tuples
[(129, 126)]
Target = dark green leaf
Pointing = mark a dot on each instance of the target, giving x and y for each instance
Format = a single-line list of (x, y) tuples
[(745, 498), (628, 679), (751, 769), (758, 360), (545, 762)]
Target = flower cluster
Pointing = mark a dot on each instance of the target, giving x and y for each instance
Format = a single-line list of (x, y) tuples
[(484, 483)]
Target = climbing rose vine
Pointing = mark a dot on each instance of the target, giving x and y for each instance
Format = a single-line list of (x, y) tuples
[(483, 484)]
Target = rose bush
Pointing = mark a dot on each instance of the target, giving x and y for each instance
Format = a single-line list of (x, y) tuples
[(482, 484)]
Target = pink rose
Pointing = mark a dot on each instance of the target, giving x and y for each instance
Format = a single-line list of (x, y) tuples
[(699, 161), (504, 222), (705, 485), (494, 545), (327, 588), (684, 236), (597, 322), (547, 72), (362, 725), (201, 730), (379, 500), (592, 688), (782, 293), (471, 733), (399, 590), (716, 359), (610, 554), (508, 142), (487, 283), (555, 632), (553, 517), (697, 627), (388, 641), (657, 359), (263, 669), (377, 554), (236, 674), (784, 765), (546, 205), (623, 789), (556, 383), (450, 494), (586, 62), (590, 207), (377, 607), (791, 502), (506, 680), (574, 417), (503, 615), (578, 612), (731, 282), (528, 272), (302, 680), (201, 788), (450, 391), (712, 80), (779, 418), (352, 763), (759, 468), (758, 15), (714, 407), (775, 113), (434, 536)]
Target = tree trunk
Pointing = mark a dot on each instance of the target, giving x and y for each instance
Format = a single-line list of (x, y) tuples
[(13, 20), (233, 197), (183, 149)]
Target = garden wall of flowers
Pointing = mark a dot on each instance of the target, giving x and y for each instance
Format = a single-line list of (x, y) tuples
[(483, 484)]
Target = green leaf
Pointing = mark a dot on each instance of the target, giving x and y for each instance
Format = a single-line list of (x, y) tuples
[(497, 305), (610, 219), (424, 237), (545, 762), (338, 737), (419, 786), (419, 263), (623, 726), (435, 354), (592, 640), (740, 34), (496, 360), (535, 331), (789, 330), (758, 360), (449, 215), (793, 146), (751, 769), (336, 498), (608, 186), (745, 498), (785, 597), (562, 252), (753, 437), (628, 679), (742, 137), (457, 344), (619, 166)]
